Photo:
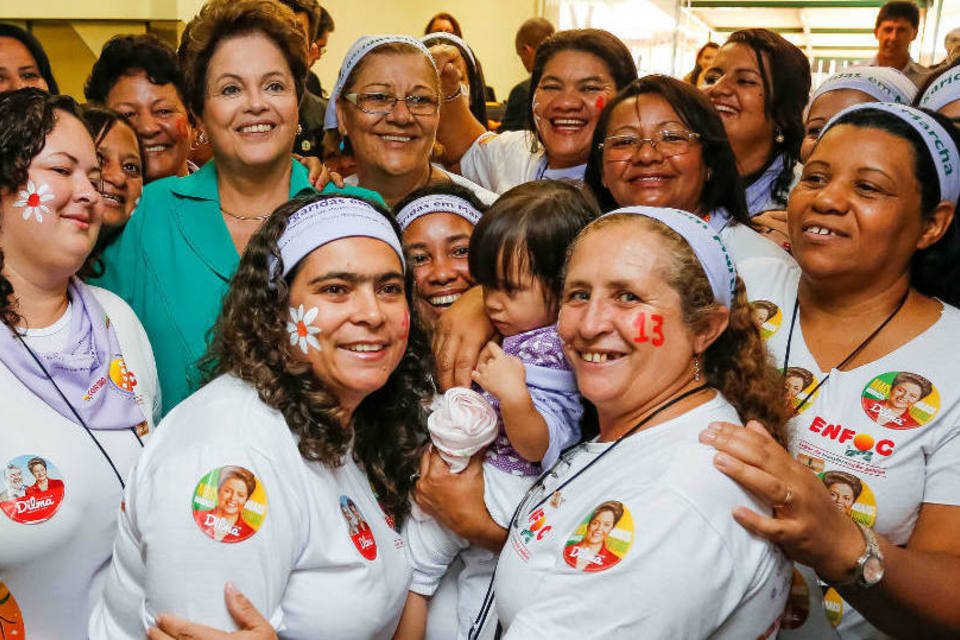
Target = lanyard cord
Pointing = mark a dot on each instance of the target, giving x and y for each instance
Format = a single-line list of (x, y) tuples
[(489, 596), (77, 415), (853, 354)]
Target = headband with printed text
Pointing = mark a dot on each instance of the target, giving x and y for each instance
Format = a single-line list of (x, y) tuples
[(706, 245), (944, 90), (437, 203), (360, 48), (943, 151), (884, 84), (328, 220)]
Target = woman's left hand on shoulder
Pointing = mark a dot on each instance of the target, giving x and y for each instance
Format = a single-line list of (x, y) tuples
[(253, 626), (804, 521), (318, 173)]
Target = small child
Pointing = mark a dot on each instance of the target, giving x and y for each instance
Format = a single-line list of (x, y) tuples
[(517, 253)]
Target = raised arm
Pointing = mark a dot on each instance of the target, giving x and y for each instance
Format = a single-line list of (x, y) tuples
[(458, 129)]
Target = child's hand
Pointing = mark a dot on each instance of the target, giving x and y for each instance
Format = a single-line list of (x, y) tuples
[(500, 374)]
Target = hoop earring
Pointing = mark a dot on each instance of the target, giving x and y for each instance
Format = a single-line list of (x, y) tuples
[(200, 139)]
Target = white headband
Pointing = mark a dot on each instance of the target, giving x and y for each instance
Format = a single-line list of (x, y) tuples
[(457, 40), (325, 221), (437, 203), (706, 245), (944, 90), (943, 151), (360, 48), (884, 84)]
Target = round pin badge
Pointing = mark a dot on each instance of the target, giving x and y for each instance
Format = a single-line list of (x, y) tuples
[(11, 620), (229, 504), (851, 495), (767, 317), (900, 400), (833, 606), (32, 489), (798, 383), (601, 539), (360, 532)]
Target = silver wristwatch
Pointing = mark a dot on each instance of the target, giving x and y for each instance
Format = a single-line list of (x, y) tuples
[(869, 569)]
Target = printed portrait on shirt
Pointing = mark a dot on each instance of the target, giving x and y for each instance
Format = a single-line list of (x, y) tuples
[(229, 504), (851, 495), (602, 539), (358, 528), (900, 400), (767, 317), (32, 489), (798, 384)]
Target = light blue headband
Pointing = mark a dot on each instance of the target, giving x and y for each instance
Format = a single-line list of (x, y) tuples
[(437, 203), (884, 84), (944, 90), (325, 221), (943, 151), (706, 245), (360, 48)]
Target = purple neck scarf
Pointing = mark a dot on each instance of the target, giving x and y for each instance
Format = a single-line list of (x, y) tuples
[(90, 371), (760, 191)]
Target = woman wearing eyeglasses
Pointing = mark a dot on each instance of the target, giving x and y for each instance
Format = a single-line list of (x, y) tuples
[(386, 108), (661, 143)]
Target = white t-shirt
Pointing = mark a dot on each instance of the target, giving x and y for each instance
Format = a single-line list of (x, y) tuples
[(675, 564), (501, 161), (485, 196), (52, 560), (311, 547), (755, 257), (892, 425)]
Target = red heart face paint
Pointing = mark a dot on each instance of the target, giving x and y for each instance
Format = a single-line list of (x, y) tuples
[(600, 103), (654, 327)]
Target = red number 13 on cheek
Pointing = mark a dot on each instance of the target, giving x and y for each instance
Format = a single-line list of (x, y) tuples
[(640, 322)]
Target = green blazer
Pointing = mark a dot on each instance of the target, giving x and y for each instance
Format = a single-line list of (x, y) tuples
[(173, 264)]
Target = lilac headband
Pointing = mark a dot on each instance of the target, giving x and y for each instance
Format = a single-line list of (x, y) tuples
[(884, 84), (325, 221), (704, 241), (437, 203)]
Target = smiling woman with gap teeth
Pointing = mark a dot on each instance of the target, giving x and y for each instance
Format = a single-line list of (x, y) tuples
[(316, 390), (657, 329), (244, 64), (874, 229), (385, 107), (574, 75)]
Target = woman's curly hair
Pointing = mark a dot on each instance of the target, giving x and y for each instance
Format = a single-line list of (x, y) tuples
[(27, 117), (737, 363), (250, 341)]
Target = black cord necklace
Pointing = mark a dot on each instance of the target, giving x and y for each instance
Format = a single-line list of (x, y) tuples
[(76, 414), (853, 354), (556, 497)]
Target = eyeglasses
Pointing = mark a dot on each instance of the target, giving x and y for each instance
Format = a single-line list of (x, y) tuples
[(669, 143), (380, 104)]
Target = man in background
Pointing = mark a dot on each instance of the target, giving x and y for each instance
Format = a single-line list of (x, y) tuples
[(324, 30), (312, 106), (529, 36), (896, 27)]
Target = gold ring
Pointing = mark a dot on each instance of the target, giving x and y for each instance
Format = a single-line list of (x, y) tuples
[(786, 499)]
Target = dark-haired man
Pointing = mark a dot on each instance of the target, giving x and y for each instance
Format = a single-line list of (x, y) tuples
[(896, 27)]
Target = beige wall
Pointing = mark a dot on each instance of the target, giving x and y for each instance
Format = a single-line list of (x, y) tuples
[(488, 26), (80, 27)]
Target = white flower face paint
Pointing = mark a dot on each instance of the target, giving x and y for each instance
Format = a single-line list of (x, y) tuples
[(32, 199), (301, 330)]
